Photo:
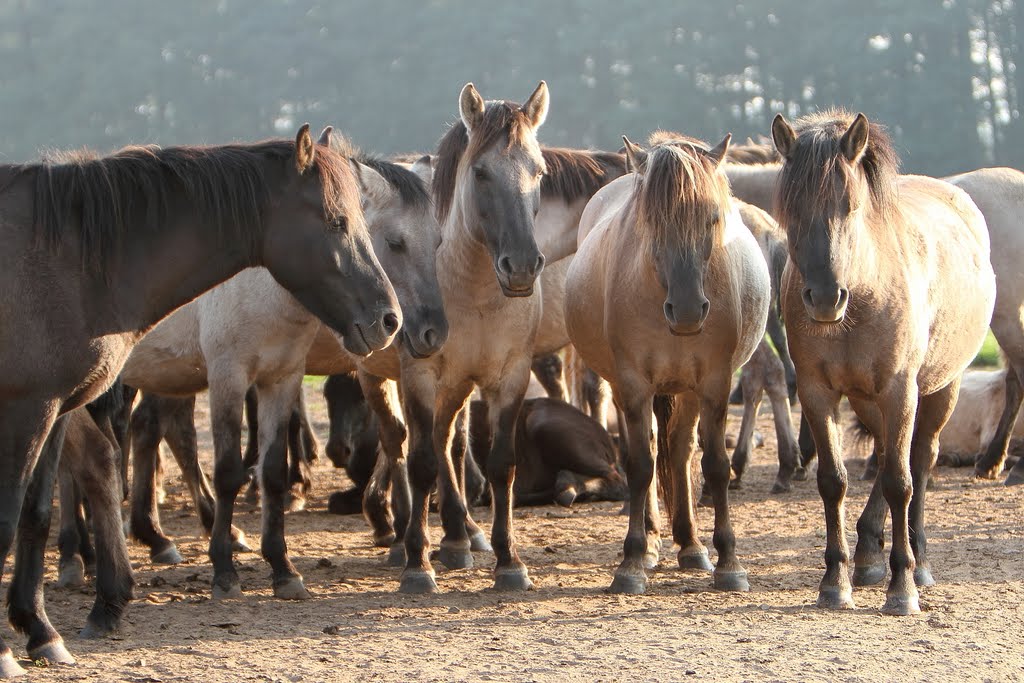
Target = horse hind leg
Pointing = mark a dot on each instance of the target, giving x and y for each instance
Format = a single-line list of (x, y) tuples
[(753, 391), (869, 567), (990, 464), (147, 428), (73, 532), (789, 459), (94, 461), (677, 476), (303, 450), (463, 461), (548, 371), (932, 414)]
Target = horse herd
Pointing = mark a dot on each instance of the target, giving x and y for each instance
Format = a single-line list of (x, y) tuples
[(658, 268)]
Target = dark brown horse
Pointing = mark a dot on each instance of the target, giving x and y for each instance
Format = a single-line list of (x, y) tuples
[(876, 309), (98, 250)]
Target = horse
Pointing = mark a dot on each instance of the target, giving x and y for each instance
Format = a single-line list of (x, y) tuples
[(999, 194), (665, 255), (165, 225), (486, 190), (562, 455), (877, 256), (250, 331)]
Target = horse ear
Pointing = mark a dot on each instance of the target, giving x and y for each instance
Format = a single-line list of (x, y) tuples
[(471, 107), (536, 108), (371, 183), (719, 152), (304, 153), (783, 135), (855, 139), (325, 136), (635, 156), (424, 168)]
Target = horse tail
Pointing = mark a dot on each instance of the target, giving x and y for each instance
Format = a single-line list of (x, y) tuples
[(664, 405), (859, 433)]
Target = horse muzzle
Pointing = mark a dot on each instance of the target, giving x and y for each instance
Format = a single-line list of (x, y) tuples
[(826, 304)]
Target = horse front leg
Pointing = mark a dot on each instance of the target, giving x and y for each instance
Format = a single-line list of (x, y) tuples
[(868, 559), (682, 444), (227, 393), (503, 404), (25, 603), (898, 410), (276, 402), (393, 470), (418, 397), (729, 573), (630, 576), (820, 407), (93, 458)]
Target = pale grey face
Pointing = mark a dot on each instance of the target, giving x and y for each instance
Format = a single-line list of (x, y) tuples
[(503, 196)]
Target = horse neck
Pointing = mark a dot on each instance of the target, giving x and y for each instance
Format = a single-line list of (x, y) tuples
[(158, 271)]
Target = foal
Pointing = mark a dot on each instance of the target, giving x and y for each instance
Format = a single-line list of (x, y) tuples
[(668, 294)]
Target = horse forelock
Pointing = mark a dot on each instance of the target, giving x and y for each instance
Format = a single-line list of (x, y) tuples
[(501, 118), (680, 197), (816, 172)]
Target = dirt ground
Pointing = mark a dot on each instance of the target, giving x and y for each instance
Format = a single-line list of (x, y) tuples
[(568, 629)]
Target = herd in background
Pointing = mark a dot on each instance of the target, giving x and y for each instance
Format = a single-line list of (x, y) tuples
[(652, 274)]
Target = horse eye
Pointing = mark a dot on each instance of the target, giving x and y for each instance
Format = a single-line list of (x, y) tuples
[(541, 173), (479, 173), (340, 223), (396, 245)]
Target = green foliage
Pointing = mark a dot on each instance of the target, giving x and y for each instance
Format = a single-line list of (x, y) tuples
[(103, 73), (988, 356)]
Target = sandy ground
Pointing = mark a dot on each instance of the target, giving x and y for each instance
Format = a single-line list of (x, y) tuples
[(358, 628)]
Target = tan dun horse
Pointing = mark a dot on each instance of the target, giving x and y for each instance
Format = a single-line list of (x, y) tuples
[(668, 294), (886, 297), (486, 188)]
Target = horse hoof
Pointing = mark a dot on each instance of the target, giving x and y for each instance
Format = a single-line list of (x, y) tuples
[(735, 484), (233, 590), (835, 598), (629, 582), (168, 555), (983, 472), (733, 580), (511, 579), (566, 497), (291, 588), (294, 503), (72, 573), (9, 668), (782, 486), (384, 540), (54, 652), (396, 555), (417, 582), (1015, 478), (478, 543), (923, 577), (695, 559), (868, 575), (901, 605), (800, 474), (94, 630), (455, 555)]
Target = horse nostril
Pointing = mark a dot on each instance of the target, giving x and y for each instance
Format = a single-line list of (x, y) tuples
[(430, 337), (505, 265), (539, 266), (390, 321), (670, 313), (704, 308), (808, 297), (844, 296)]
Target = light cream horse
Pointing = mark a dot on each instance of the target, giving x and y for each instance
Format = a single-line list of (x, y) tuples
[(250, 331), (669, 294)]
